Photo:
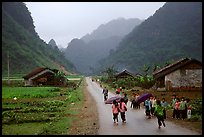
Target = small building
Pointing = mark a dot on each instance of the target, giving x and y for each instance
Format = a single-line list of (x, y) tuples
[(124, 74), (184, 74), (44, 76)]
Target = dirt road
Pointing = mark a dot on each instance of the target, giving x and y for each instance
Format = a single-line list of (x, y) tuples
[(136, 124)]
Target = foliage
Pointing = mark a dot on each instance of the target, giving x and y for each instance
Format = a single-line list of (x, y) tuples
[(110, 72), (22, 45), (50, 114), (173, 32), (196, 106)]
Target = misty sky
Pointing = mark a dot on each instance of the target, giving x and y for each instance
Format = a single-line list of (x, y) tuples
[(63, 21)]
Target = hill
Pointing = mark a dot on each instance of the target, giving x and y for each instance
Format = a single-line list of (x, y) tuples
[(173, 32), (85, 52), (22, 45)]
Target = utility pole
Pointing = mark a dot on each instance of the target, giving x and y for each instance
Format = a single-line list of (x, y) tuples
[(8, 68)]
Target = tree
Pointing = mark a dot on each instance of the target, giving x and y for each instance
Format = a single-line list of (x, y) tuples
[(110, 72)]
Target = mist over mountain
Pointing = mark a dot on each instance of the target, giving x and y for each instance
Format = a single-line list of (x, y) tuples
[(22, 45), (85, 53), (117, 27), (52, 43), (173, 32)]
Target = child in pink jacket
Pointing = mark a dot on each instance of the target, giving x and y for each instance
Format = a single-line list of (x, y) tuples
[(115, 111), (123, 108)]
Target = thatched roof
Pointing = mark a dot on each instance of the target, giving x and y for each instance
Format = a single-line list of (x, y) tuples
[(39, 70), (125, 72)]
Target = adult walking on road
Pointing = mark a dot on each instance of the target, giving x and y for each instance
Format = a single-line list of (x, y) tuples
[(123, 109), (105, 93)]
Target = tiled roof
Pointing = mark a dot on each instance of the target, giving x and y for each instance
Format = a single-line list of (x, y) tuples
[(170, 68)]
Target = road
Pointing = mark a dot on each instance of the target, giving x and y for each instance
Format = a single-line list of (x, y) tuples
[(136, 124)]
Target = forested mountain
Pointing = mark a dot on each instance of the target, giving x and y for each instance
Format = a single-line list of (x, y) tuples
[(173, 32), (87, 51), (20, 41)]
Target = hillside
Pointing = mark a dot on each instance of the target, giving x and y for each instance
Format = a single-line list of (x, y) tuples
[(85, 53), (173, 32), (117, 27), (20, 41)]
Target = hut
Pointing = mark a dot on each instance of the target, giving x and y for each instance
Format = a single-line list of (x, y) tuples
[(44, 76)]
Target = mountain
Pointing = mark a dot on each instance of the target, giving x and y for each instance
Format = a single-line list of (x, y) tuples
[(22, 45), (173, 32), (85, 52), (52, 43), (117, 27)]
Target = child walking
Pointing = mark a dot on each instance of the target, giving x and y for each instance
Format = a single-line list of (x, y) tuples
[(159, 113), (122, 108), (115, 108)]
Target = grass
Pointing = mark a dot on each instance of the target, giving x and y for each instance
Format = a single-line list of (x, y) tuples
[(39, 110), (28, 92)]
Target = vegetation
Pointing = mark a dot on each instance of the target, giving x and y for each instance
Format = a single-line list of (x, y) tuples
[(173, 32), (146, 81), (22, 46), (40, 110)]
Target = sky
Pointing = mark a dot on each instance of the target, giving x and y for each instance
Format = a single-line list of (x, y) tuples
[(64, 21)]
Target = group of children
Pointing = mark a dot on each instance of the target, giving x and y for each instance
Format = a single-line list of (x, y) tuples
[(180, 107), (156, 107), (119, 107), (153, 107), (134, 103)]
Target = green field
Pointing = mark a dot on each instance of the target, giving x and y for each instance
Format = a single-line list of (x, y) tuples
[(39, 110)]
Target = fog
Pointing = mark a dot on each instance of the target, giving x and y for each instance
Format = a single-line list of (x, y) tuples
[(63, 21)]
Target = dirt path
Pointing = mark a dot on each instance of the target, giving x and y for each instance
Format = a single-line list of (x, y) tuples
[(87, 123)]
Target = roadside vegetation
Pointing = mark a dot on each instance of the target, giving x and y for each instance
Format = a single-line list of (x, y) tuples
[(145, 84), (40, 110)]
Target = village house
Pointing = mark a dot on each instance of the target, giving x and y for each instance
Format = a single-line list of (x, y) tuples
[(184, 74), (44, 76), (124, 74)]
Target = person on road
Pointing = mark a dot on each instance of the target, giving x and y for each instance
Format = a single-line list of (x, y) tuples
[(137, 104), (133, 98), (105, 93), (153, 104), (183, 108), (125, 99), (115, 111), (177, 108), (173, 101), (159, 113), (164, 104), (123, 109), (147, 104)]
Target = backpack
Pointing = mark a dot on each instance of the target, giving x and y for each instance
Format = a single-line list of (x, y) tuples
[(160, 111)]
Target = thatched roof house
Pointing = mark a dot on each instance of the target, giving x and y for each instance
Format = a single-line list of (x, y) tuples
[(43, 76), (184, 74), (124, 74)]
